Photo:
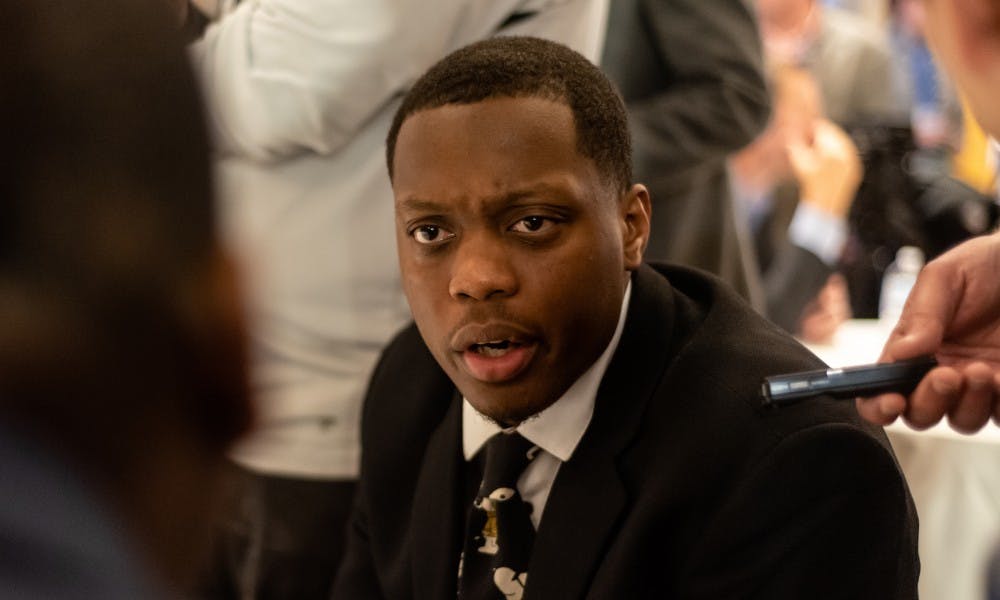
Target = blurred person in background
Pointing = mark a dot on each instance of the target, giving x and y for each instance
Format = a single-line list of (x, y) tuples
[(849, 57), (300, 96), (122, 364), (950, 164), (949, 142), (899, 114), (691, 73), (795, 184), (925, 174), (953, 311)]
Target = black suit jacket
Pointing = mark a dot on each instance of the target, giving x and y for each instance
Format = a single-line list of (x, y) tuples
[(683, 486)]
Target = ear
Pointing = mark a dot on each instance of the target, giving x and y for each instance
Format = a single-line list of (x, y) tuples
[(635, 213)]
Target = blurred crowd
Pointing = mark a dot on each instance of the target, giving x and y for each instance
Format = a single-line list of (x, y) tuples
[(913, 169)]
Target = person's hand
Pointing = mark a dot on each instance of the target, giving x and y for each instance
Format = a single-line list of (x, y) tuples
[(827, 167), (953, 312), (826, 312)]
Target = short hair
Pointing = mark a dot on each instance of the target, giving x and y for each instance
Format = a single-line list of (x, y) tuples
[(515, 67)]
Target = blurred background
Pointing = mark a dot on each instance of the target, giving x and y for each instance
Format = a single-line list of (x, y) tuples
[(809, 152)]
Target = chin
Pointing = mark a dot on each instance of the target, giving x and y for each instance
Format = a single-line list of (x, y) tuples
[(507, 407)]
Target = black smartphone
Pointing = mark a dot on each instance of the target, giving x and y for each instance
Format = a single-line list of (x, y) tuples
[(848, 382)]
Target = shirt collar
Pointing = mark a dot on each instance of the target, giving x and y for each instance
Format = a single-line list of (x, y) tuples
[(559, 428)]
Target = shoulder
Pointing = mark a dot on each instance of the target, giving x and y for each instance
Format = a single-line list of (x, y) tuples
[(721, 334), (405, 355), (408, 394), (718, 369), (705, 423)]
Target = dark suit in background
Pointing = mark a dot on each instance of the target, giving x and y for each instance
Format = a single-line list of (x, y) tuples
[(692, 77), (682, 486)]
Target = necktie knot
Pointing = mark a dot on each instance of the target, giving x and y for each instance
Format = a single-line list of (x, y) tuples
[(507, 455)]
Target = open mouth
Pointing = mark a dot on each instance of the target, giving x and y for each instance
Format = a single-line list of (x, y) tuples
[(494, 349), (497, 361)]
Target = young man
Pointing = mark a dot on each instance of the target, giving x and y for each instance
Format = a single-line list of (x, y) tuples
[(301, 95), (632, 393), (954, 309), (122, 370)]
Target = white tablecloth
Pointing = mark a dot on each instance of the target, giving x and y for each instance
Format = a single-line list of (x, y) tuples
[(954, 479)]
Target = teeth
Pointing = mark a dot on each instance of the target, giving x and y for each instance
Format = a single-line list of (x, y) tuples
[(494, 349), (492, 352)]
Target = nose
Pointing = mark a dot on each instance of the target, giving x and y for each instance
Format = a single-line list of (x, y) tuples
[(482, 270)]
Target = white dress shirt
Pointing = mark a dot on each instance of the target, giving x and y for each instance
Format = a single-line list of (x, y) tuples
[(557, 430)]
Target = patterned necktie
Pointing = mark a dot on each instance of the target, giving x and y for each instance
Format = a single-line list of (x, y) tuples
[(499, 533)]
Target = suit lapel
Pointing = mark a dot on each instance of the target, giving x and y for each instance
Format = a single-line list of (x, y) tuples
[(437, 519), (588, 496)]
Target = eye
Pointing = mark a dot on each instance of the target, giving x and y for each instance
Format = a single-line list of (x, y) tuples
[(430, 234), (532, 224)]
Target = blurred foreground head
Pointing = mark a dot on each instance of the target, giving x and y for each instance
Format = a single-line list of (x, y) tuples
[(965, 37), (121, 341)]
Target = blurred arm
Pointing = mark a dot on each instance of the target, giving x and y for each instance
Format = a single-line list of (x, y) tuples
[(288, 76), (801, 296), (282, 76)]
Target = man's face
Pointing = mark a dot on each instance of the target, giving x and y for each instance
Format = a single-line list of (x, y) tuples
[(514, 248)]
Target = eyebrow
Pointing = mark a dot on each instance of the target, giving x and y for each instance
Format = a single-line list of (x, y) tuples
[(417, 204), (421, 205)]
